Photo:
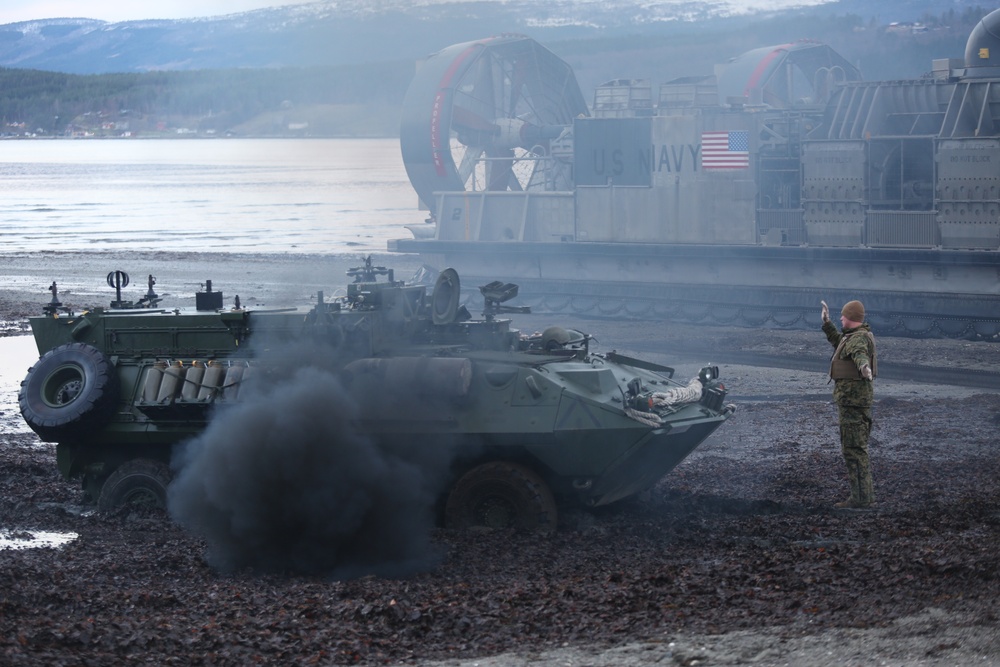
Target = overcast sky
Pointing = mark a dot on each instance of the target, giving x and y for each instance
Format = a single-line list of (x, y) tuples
[(12, 11)]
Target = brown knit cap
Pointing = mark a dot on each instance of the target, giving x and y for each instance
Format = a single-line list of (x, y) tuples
[(854, 311)]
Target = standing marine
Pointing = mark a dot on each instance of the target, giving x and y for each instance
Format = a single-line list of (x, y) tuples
[(852, 369)]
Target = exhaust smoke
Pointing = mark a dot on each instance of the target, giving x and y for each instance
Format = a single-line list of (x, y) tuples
[(287, 481)]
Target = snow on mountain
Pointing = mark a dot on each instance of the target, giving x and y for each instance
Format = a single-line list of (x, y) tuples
[(346, 32)]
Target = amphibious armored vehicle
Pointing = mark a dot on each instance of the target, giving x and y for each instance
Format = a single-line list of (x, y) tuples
[(535, 419), (742, 196)]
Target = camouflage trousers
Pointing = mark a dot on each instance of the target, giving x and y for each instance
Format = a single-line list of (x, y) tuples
[(855, 427)]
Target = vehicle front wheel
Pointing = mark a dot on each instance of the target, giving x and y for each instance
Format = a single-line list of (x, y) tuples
[(139, 482), (501, 494)]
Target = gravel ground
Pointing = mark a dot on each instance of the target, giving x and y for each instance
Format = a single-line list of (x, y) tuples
[(735, 558)]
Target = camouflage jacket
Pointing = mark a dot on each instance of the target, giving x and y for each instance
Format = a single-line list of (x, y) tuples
[(858, 346)]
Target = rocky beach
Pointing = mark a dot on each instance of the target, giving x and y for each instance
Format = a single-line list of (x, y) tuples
[(737, 557)]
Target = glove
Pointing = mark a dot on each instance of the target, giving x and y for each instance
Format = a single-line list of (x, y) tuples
[(866, 372), (826, 311)]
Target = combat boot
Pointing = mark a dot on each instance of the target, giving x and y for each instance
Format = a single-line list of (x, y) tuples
[(866, 489), (862, 494), (852, 504)]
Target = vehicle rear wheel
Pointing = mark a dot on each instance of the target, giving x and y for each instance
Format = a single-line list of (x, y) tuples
[(501, 494), (139, 482), (70, 392)]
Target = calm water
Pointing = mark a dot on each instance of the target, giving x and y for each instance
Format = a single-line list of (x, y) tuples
[(230, 195)]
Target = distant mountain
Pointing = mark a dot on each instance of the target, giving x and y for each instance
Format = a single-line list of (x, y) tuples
[(346, 32)]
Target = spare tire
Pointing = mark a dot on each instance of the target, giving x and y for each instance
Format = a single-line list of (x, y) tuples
[(72, 390)]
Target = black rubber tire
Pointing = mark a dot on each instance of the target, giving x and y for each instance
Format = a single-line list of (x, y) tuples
[(70, 392), (140, 482), (501, 494)]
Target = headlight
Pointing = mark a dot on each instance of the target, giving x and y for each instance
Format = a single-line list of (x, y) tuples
[(708, 373)]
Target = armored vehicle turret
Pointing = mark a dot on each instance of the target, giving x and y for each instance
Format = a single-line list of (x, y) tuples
[(535, 420)]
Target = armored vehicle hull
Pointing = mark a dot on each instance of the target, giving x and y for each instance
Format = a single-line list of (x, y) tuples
[(529, 421), (743, 197)]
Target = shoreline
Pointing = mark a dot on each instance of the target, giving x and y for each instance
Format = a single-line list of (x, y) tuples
[(264, 280)]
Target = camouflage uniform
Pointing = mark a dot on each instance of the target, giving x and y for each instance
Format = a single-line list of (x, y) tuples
[(854, 348)]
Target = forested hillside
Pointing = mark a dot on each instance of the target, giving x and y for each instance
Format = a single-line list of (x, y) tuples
[(361, 100)]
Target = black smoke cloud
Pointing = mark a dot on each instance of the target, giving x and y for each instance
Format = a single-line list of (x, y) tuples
[(285, 481)]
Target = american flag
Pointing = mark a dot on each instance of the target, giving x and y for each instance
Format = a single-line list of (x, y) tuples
[(725, 150)]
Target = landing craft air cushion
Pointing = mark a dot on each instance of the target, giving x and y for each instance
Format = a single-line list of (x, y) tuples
[(741, 197)]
